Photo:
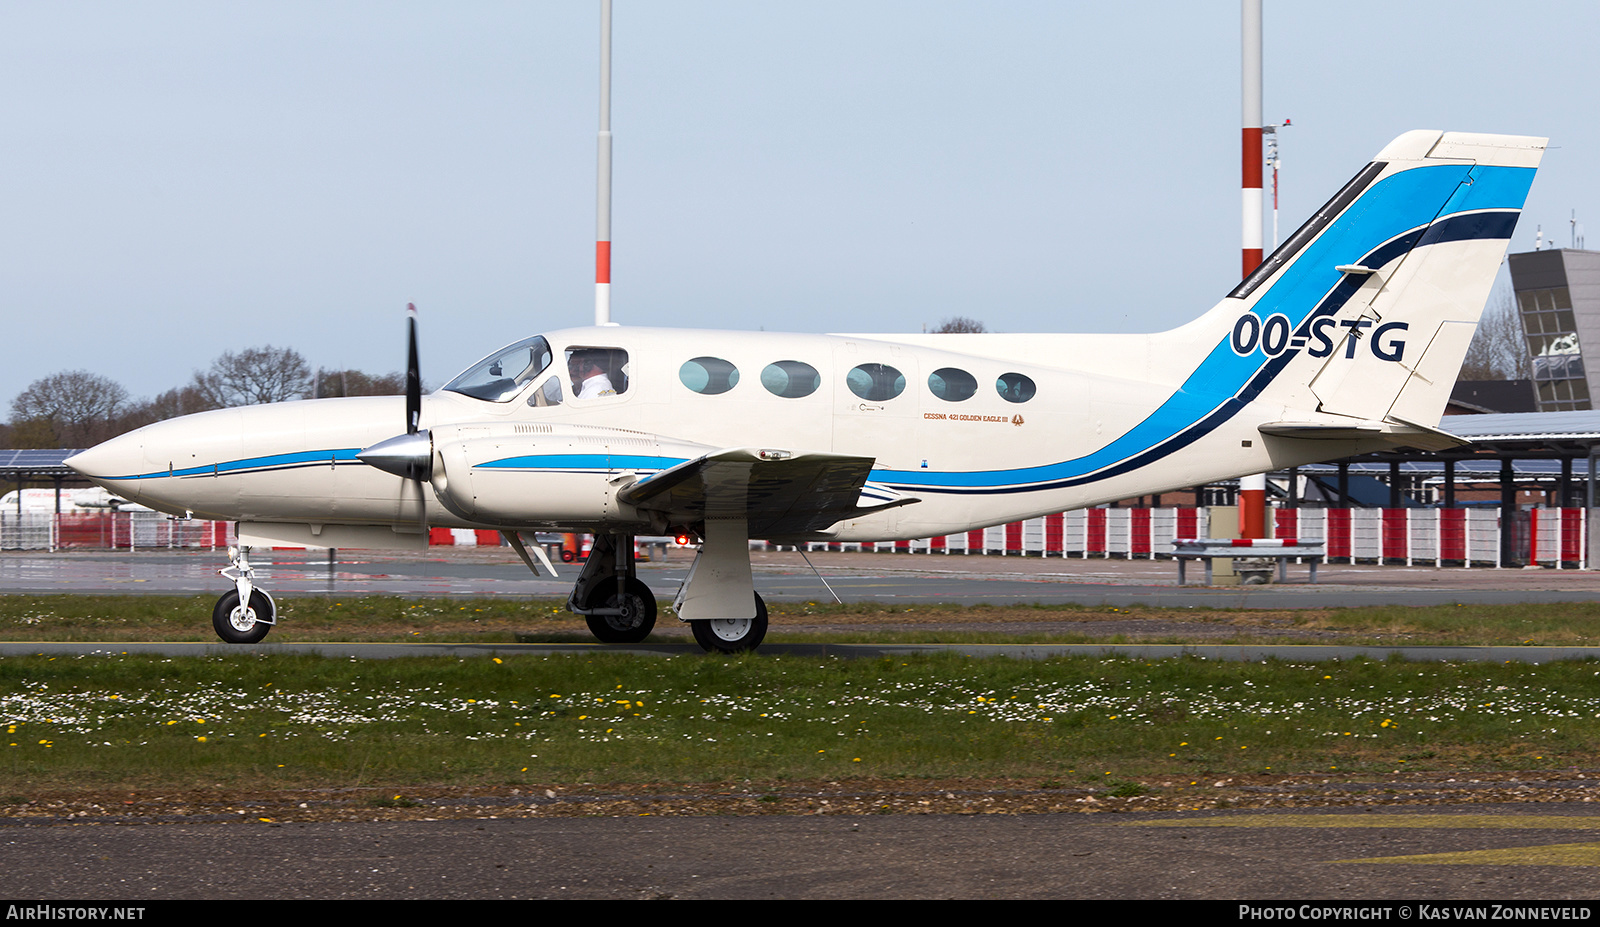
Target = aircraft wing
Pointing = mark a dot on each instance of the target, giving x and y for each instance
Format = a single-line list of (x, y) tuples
[(779, 493)]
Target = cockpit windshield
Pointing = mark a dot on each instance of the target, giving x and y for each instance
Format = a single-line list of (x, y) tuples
[(502, 374)]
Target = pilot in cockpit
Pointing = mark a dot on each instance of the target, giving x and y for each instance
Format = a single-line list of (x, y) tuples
[(590, 373)]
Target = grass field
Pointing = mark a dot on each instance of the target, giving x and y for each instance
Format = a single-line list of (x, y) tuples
[(307, 721), (252, 722)]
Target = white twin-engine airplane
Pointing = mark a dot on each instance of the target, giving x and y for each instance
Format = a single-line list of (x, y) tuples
[(1347, 340)]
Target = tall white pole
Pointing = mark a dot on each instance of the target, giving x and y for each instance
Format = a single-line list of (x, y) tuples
[(1252, 489), (602, 244), (1251, 68)]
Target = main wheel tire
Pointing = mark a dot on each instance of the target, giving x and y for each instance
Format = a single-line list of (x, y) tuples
[(632, 627), (242, 626), (732, 635)]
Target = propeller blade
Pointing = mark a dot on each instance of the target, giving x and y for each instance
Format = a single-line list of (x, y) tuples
[(413, 373)]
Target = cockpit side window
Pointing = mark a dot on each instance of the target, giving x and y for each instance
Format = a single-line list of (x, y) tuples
[(503, 374), (596, 372), (547, 393)]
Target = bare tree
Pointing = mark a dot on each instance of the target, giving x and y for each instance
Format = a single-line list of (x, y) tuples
[(960, 325), (332, 383), (1499, 349), (182, 400), (252, 377), (74, 408)]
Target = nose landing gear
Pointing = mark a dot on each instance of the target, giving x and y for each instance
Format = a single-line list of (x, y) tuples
[(244, 614)]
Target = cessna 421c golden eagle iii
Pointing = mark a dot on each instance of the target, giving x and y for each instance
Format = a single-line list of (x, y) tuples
[(1346, 340)]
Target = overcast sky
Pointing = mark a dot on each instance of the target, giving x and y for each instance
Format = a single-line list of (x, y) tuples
[(181, 179)]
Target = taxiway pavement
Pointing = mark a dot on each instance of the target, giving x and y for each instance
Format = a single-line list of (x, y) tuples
[(786, 576)]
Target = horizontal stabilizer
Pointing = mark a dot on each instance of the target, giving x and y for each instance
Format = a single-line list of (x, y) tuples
[(1398, 433), (776, 492)]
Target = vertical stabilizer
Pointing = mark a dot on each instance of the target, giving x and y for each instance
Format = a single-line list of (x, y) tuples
[(1367, 311)]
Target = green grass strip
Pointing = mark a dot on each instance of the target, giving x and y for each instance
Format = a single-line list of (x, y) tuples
[(291, 721)]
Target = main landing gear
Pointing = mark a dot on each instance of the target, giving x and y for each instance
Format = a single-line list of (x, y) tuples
[(618, 606), (718, 599), (244, 614), (732, 635)]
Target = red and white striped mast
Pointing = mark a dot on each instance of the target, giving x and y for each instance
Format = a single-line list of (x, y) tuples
[(1252, 489), (1251, 141), (602, 244)]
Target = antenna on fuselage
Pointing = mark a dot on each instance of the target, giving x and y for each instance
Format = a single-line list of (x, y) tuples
[(602, 244)]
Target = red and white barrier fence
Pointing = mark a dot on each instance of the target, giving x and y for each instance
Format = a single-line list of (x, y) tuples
[(1418, 536), (463, 537)]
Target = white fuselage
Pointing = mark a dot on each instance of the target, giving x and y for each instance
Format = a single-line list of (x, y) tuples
[(980, 460)]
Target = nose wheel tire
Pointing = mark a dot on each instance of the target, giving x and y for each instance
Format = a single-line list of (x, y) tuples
[(238, 625), (640, 606), (732, 635)]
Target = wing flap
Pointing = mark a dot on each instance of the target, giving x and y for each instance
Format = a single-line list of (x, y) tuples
[(776, 492)]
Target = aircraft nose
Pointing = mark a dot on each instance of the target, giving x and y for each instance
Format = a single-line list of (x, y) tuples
[(115, 464)]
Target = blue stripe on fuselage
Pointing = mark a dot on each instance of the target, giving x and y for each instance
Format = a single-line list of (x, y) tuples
[(298, 459)]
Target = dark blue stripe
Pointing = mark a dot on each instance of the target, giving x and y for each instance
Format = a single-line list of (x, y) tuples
[(1470, 226)]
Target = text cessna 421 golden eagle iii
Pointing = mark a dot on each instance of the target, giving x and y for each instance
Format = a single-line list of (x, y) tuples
[(1347, 340)]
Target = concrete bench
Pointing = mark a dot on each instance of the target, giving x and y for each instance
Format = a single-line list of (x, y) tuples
[(1280, 549)]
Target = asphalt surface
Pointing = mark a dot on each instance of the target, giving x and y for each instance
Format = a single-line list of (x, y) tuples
[(1543, 852), (786, 576)]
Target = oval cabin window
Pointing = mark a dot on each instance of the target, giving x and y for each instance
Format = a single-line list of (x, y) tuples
[(1014, 387), (790, 379), (708, 376), (952, 384), (876, 382)]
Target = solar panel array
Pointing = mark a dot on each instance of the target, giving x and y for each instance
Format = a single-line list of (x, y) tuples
[(40, 462)]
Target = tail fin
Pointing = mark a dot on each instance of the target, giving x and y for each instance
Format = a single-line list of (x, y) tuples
[(1366, 312)]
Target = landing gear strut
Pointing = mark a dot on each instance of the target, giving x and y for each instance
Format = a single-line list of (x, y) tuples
[(618, 606), (244, 614), (716, 598)]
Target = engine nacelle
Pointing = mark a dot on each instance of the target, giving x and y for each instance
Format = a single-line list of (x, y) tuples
[(539, 475)]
